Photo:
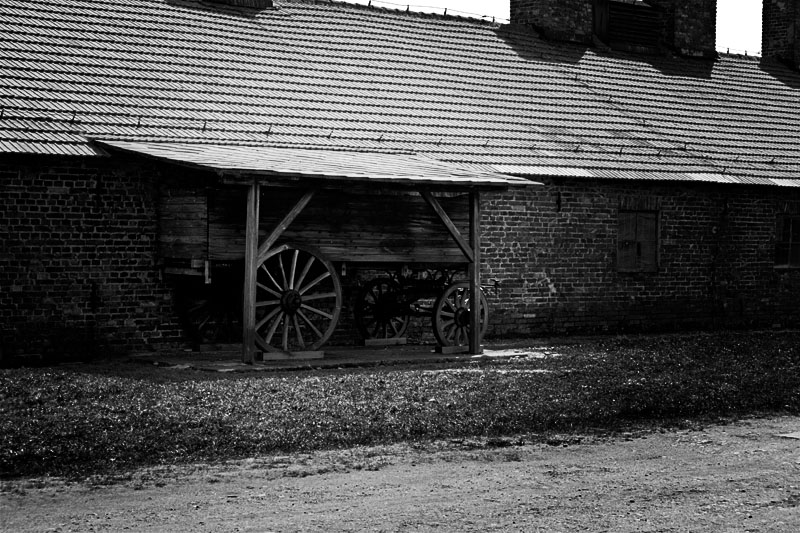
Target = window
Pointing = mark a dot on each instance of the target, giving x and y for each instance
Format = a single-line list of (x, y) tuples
[(787, 241), (637, 241)]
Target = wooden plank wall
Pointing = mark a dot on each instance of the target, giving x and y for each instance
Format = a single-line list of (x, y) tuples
[(183, 223), (387, 227)]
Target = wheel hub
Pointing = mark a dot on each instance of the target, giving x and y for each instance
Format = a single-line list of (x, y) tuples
[(462, 317), (291, 301)]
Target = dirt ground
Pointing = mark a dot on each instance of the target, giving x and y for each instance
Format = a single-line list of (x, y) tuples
[(741, 476)]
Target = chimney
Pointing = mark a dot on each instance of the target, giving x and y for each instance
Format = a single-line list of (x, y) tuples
[(780, 25), (561, 20), (686, 26), (691, 26)]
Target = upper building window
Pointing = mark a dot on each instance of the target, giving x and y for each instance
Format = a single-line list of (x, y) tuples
[(787, 241), (637, 241)]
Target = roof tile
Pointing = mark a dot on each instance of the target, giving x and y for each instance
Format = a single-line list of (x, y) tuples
[(338, 76)]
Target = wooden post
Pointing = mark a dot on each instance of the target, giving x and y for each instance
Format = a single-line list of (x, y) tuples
[(250, 267), (475, 273)]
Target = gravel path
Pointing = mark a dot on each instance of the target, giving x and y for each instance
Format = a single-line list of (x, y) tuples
[(735, 477)]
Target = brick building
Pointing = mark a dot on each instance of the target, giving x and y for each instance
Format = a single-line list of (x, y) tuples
[(670, 194)]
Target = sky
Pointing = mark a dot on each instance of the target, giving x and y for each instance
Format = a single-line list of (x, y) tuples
[(738, 21)]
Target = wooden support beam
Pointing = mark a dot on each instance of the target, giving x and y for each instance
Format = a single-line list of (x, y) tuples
[(475, 273), (448, 223), (250, 265), (287, 220)]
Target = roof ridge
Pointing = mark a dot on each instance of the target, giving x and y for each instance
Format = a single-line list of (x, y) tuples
[(482, 20)]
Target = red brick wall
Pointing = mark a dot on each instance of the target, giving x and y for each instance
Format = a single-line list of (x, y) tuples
[(550, 259), (77, 258)]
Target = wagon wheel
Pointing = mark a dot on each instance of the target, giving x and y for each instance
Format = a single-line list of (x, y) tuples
[(451, 315), (298, 299), (380, 312)]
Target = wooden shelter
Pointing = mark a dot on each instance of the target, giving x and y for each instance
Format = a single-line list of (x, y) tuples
[(308, 209)]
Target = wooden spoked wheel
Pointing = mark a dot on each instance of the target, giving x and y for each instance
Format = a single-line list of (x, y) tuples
[(452, 312), (298, 300), (380, 312)]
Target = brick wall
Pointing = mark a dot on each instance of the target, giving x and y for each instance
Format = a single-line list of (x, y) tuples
[(696, 27), (550, 259), (77, 258), (690, 25), (780, 21), (567, 20)]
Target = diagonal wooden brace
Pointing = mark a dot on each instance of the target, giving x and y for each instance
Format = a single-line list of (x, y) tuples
[(448, 223), (285, 223)]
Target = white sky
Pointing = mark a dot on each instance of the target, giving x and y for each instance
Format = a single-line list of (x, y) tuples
[(738, 25)]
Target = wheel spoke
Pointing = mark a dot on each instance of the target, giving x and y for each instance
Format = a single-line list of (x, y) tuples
[(449, 331), (268, 302), (269, 275), (273, 328), (267, 318), (317, 311), (294, 269), (264, 287), (283, 271), (321, 277), (304, 273), (317, 332), (447, 314), (299, 333), (319, 296), (394, 328), (285, 337), (451, 304)]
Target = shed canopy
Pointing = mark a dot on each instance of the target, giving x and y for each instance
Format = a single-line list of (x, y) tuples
[(277, 164)]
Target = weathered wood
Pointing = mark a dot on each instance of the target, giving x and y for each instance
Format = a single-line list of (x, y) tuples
[(251, 253), (452, 350), (344, 227), (475, 273), (392, 341), (396, 227), (293, 356), (448, 223), (285, 223), (183, 223)]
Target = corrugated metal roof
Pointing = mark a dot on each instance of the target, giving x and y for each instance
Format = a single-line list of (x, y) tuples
[(287, 163), (334, 76)]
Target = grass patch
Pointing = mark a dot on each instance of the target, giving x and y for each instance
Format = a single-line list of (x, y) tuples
[(95, 419)]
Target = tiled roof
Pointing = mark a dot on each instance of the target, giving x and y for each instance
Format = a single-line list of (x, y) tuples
[(289, 163), (334, 76)]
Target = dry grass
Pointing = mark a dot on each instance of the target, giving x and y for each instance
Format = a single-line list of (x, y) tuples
[(112, 417)]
